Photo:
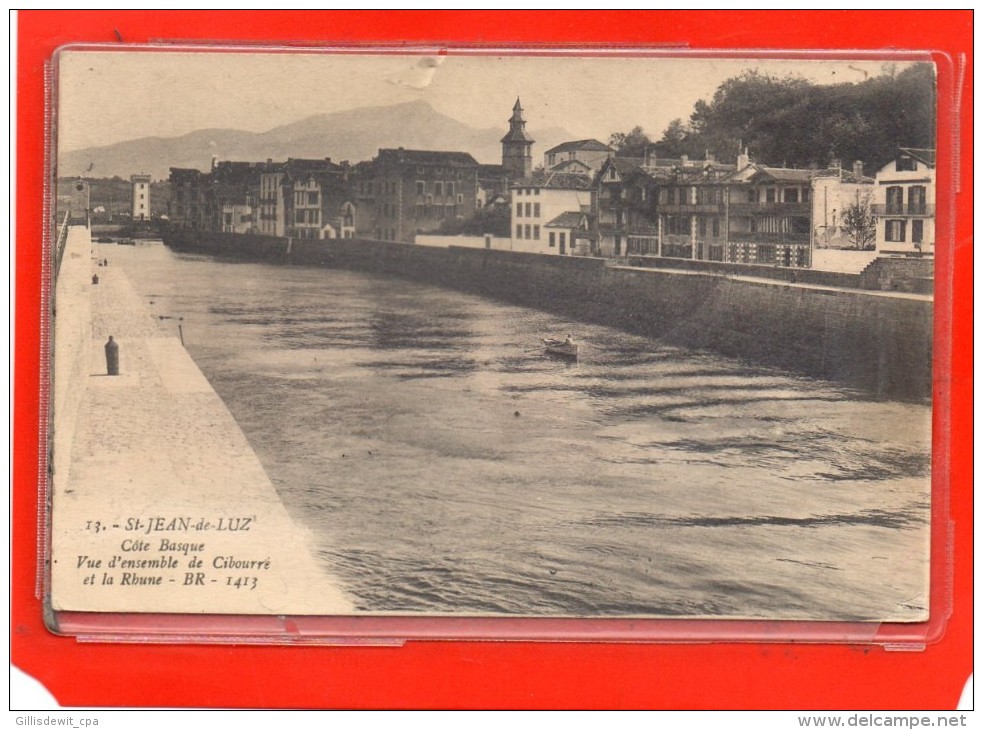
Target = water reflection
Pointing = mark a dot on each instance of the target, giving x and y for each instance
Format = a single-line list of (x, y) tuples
[(446, 465)]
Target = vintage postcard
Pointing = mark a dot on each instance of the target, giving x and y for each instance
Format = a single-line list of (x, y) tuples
[(492, 334)]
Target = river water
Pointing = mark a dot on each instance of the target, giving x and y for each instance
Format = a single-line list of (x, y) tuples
[(446, 465)]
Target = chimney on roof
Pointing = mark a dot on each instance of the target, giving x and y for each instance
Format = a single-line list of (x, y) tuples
[(836, 163), (743, 160), (328, 160), (858, 168), (214, 161), (269, 160)]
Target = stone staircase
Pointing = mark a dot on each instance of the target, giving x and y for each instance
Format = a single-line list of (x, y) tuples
[(910, 274)]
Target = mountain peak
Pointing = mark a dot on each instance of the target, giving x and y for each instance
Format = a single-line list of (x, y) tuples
[(351, 134)]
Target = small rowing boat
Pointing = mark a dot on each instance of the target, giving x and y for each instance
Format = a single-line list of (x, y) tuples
[(561, 348)]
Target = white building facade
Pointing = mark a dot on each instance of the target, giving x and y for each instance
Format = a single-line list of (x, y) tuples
[(905, 204), (540, 200)]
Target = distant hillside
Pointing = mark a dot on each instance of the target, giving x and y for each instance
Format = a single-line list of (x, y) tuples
[(792, 121), (349, 135)]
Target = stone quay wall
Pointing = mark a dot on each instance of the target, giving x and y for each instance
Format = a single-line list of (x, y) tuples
[(879, 342)]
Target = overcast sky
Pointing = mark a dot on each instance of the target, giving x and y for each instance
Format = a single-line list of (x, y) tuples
[(106, 97)]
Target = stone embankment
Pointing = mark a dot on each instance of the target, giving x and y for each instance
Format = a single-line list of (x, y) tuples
[(875, 340), (159, 503)]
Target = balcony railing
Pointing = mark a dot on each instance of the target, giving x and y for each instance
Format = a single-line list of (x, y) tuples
[(692, 209), (782, 209), (769, 237), (903, 210)]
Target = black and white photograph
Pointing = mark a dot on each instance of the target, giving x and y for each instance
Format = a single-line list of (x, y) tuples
[(491, 333)]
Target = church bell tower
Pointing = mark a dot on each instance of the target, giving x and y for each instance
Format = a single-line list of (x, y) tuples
[(517, 146)]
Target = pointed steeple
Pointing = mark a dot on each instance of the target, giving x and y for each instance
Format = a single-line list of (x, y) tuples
[(516, 145)]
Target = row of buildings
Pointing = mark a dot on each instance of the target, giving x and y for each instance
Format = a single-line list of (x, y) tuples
[(741, 213), (583, 200)]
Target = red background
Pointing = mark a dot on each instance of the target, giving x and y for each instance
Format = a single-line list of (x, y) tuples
[(429, 674)]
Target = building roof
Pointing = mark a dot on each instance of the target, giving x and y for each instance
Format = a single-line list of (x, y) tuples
[(624, 167), (426, 157), (925, 156), (847, 176), (569, 219), (783, 174), (517, 126), (184, 172), (581, 144), (555, 180), (300, 166), (517, 134), (571, 166), (233, 172)]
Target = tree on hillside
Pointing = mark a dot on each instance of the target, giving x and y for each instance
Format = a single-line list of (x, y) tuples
[(674, 141), (794, 122), (630, 144)]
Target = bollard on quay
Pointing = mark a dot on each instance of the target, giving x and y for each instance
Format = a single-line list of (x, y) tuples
[(112, 357)]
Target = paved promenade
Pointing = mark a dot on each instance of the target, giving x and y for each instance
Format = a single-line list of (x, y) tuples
[(162, 481)]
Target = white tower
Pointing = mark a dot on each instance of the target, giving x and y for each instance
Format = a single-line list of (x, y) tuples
[(141, 197)]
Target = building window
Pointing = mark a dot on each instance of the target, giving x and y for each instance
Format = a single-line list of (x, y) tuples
[(535, 232), (916, 199), (528, 231), (770, 195), (708, 196), (678, 225), (460, 199), (536, 191), (716, 228), (518, 210), (752, 196), (894, 231), (518, 191), (421, 187), (563, 239), (535, 211), (917, 231), (703, 227), (552, 239), (528, 210), (312, 198), (895, 200), (438, 189), (518, 231), (791, 195), (905, 164), (805, 195), (450, 190)]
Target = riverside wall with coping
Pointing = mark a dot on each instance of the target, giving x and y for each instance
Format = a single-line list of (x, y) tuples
[(879, 342)]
